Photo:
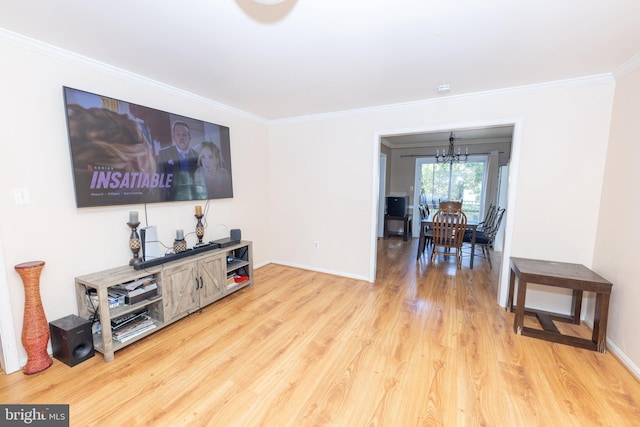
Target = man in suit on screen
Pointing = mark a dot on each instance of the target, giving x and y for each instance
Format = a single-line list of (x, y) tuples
[(181, 161)]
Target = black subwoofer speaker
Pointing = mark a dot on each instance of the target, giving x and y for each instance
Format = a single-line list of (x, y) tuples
[(71, 339)]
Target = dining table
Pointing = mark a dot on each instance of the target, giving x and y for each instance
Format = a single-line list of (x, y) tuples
[(427, 223)]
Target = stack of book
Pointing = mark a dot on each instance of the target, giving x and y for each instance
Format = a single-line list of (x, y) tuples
[(131, 325)]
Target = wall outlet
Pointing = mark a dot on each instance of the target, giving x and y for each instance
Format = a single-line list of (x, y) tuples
[(316, 244)]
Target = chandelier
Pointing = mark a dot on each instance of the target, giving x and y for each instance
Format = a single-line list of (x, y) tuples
[(451, 156)]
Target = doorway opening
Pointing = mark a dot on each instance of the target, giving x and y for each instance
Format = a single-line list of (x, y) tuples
[(494, 141)]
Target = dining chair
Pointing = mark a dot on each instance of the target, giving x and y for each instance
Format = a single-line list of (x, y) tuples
[(424, 211), (449, 226), (485, 224), (426, 233), (490, 216), (451, 205), (487, 236)]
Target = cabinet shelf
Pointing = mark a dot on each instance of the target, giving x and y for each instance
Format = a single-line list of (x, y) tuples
[(128, 308), (235, 286), (236, 264), (184, 286), (121, 310), (117, 345)]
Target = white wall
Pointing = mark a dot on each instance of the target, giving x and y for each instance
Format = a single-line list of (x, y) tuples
[(325, 167), (617, 251), (35, 155), (321, 181)]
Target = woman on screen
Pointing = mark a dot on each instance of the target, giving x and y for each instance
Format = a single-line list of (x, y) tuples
[(212, 173)]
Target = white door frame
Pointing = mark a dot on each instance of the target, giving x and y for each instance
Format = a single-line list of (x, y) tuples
[(517, 123), (381, 193)]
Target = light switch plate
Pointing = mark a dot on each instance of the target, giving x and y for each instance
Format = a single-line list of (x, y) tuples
[(22, 196)]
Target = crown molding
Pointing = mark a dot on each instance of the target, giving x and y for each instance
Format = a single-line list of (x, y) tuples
[(40, 47), (596, 79), (629, 66)]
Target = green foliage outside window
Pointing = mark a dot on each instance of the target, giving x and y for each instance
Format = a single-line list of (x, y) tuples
[(457, 181)]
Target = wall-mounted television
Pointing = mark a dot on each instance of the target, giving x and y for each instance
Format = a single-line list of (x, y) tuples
[(123, 153)]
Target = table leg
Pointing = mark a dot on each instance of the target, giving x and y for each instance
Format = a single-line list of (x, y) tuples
[(512, 281), (600, 322), (473, 247), (421, 243), (518, 321), (405, 237), (576, 306)]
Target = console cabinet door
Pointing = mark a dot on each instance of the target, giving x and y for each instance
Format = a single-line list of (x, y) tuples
[(213, 279), (180, 291)]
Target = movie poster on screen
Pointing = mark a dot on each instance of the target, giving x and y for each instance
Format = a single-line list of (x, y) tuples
[(124, 153)]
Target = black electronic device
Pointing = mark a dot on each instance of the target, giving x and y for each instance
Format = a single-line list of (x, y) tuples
[(397, 205), (71, 339), (227, 241), (143, 240), (173, 257)]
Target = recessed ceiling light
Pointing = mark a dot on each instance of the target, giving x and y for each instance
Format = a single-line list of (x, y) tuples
[(269, 1), (444, 88)]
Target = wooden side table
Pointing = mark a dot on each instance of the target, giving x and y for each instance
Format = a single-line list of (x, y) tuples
[(406, 220), (562, 275)]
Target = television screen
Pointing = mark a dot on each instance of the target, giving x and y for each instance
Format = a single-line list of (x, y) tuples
[(397, 205), (124, 153)]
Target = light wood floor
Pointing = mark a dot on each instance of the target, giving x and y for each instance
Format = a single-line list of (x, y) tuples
[(424, 345)]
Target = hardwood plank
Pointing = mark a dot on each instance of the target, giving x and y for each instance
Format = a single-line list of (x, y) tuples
[(423, 345)]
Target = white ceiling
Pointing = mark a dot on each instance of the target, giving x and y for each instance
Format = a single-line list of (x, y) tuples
[(317, 56)]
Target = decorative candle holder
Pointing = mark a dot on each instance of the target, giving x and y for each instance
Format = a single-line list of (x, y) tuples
[(199, 229), (179, 245), (134, 243)]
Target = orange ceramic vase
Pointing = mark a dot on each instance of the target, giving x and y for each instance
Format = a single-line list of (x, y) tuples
[(35, 329)]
